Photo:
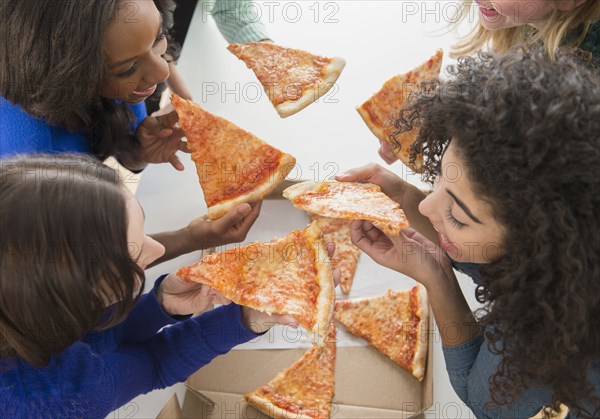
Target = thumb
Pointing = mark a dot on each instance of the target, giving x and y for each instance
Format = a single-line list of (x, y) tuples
[(168, 120), (365, 173), (233, 217)]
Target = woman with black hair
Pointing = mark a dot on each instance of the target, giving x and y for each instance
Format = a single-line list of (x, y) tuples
[(511, 144), (73, 78)]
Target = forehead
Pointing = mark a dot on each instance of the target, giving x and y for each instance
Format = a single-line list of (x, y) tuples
[(132, 30)]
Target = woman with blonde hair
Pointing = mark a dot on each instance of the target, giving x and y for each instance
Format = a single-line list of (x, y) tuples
[(504, 24)]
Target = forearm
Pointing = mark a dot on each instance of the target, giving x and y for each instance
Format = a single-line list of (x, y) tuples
[(237, 21), (176, 83), (132, 161), (453, 317), (174, 354), (176, 243), (410, 205)]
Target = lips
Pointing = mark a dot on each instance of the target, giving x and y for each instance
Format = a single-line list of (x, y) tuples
[(145, 93), (488, 12), (444, 242)]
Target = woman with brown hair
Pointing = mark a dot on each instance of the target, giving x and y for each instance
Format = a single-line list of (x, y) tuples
[(76, 337), (511, 144), (73, 79)]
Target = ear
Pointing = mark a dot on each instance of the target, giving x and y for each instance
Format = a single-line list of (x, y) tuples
[(569, 5)]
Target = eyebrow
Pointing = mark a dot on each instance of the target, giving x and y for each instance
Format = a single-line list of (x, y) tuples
[(464, 207), (120, 63)]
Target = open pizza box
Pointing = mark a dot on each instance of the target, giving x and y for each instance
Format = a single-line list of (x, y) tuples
[(367, 383)]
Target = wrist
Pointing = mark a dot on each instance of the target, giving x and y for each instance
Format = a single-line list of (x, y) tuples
[(253, 324)]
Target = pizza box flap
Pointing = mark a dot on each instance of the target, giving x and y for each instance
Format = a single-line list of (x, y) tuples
[(364, 378), (228, 405), (171, 409)]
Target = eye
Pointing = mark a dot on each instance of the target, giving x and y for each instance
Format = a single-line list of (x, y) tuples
[(130, 71), (453, 220)]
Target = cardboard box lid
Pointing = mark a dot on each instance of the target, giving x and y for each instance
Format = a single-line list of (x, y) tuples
[(229, 406), (366, 381), (171, 409)]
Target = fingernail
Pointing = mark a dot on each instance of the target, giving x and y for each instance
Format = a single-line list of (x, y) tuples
[(244, 209)]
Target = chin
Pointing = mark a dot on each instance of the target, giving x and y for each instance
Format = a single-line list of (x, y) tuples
[(133, 101)]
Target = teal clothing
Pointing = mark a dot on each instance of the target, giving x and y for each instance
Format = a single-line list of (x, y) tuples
[(591, 42), (239, 21)]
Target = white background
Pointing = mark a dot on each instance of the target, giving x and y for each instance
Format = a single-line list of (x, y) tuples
[(378, 39)]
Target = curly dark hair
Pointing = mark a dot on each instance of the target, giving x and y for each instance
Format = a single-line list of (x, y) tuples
[(529, 131), (65, 254), (52, 65)]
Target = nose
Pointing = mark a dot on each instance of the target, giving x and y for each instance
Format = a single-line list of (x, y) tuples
[(428, 206), (152, 251), (158, 70)]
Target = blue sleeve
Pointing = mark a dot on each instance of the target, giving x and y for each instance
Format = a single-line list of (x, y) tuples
[(21, 133), (146, 318), (470, 367), (173, 354), (239, 21), (81, 383), (140, 113)]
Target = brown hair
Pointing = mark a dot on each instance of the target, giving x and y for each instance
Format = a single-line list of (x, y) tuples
[(528, 129), (52, 65), (64, 254), (562, 28)]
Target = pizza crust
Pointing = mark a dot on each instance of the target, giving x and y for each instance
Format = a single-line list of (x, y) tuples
[(372, 125), (420, 358), (331, 74), (286, 164), (325, 299), (267, 407), (299, 189)]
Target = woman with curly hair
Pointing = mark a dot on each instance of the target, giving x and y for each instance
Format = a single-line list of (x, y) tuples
[(512, 146), (73, 79)]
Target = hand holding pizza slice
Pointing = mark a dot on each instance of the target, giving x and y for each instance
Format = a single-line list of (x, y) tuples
[(233, 166), (293, 79), (291, 276)]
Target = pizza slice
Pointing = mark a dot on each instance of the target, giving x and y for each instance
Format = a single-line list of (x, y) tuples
[(382, 110), (337, 230), (351, 201), (292, 78), (229, 178), (304, 390), (395, 323), (290, 276)]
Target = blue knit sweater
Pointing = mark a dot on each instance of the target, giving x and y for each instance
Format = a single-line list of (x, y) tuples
[(105, 370), (21, 133)]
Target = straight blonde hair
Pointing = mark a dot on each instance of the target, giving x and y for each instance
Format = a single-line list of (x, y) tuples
[(561, 29)]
